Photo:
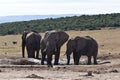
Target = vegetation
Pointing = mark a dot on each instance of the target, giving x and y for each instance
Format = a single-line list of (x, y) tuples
[(84, 22)]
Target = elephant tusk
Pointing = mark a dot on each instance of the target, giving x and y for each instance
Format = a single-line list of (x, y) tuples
[(64, 54)]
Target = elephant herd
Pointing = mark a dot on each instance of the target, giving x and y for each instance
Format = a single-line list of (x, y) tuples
[(51, 44)]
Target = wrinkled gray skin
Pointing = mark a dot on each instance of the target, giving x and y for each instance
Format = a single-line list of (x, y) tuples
[(51, 44), (31, 40), (82, 46)]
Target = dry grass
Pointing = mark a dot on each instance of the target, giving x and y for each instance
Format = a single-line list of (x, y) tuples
[(10, 47), (108, 40)]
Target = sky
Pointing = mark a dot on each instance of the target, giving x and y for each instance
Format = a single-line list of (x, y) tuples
[(48, 7)]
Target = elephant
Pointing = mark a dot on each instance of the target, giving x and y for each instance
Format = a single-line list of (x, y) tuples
[(31, 40), (51, 44), (82, 46)]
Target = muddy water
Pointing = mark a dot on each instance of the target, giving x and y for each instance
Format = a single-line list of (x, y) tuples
[(32, 61)]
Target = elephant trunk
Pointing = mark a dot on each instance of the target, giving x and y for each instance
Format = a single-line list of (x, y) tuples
[(23, 49), (68, 59), (68, 53)]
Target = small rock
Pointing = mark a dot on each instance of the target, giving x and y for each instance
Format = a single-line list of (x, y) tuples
[(97, 72), (114, 70), (34, 76), (89, 73)]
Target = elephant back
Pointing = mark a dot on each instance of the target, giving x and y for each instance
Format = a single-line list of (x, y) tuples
[(91, 40), (33, 39), (81, 43)]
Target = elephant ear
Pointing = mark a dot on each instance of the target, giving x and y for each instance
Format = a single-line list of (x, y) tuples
[(50, 46), (63, 37), (80, 43)]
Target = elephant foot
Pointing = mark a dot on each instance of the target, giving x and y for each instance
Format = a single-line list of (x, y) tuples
[(31, 57), (50, 65), (37, 57), (88, 63), (95, 63), (76, 63), (55, 63), (42, 63)]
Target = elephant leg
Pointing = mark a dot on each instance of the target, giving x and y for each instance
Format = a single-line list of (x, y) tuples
[(37, 54), (23, 49), (57, 55), (77, 58), (95, 59), (68, 59), (74, 57), (33, 54), (30, 53), (43, 58), (49, 60), (89, 60)]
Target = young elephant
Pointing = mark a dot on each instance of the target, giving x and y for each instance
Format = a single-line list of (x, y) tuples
[(31, 39), (51, 44), (82, 46)]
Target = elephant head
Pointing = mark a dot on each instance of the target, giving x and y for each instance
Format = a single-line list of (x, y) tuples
[(71, 47)]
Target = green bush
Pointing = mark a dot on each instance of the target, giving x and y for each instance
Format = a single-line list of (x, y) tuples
[(83, 22)]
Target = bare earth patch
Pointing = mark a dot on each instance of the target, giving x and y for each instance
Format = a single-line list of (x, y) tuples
[(105, 71), (13, 67)]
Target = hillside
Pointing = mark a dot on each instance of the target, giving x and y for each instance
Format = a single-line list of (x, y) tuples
[(5, 19), (83, 22)]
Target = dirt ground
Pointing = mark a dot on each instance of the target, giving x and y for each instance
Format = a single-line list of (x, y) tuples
[(107, 69)]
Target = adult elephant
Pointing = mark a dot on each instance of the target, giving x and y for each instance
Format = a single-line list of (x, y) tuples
[(82, 46), (31, 39), (51, 44)]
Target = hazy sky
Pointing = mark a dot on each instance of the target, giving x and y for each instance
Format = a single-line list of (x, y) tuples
[(44, 7)]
